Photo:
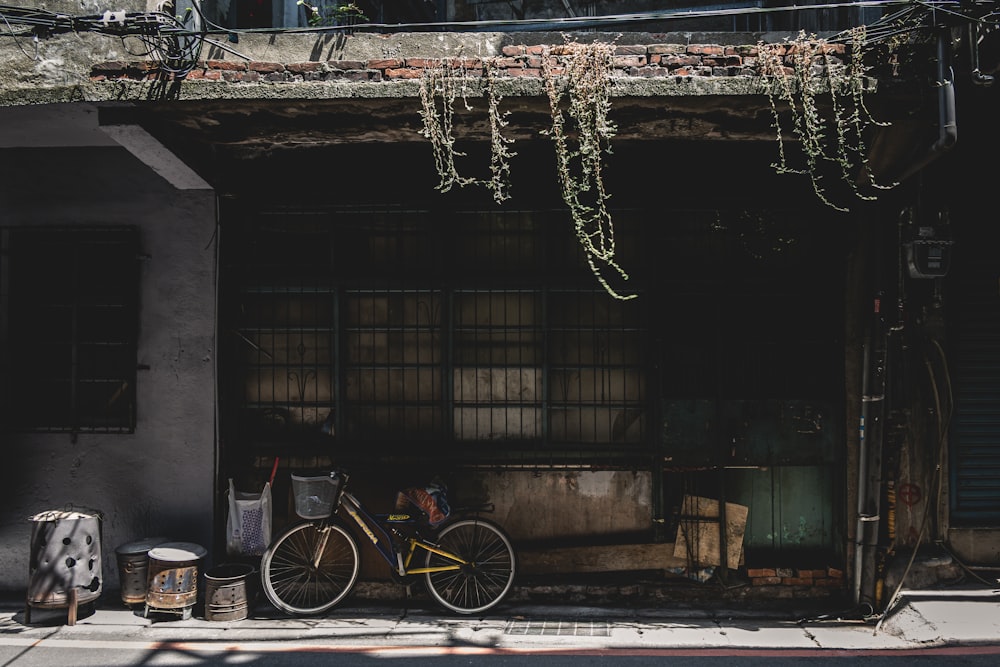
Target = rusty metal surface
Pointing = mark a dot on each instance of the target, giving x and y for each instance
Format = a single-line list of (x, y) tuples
[(60, 599), (65, 557), (133, 571), (226, 592), (172, 587)]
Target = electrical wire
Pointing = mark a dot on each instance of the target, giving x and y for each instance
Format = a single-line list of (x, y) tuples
[(943, 424), (177, 53), (47, 22), (176, 45), (614, 20), (16, 41), (165, 38)]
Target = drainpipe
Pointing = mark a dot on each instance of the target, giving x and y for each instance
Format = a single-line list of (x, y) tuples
[(863, 515), (947, 128), (869, 446), (859, 527)]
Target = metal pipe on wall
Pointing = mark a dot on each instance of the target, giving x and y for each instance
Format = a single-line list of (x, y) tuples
[(869, 445), (859, 529)]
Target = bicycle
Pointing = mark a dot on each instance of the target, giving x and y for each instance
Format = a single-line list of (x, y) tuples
[(468, 564)]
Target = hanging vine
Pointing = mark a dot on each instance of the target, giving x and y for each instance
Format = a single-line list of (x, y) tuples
[(579, 79), (576, 76), (500, 153), (440, 88), (805, 70)]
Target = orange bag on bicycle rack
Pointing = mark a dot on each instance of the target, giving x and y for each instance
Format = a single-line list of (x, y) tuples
[(431, 501)]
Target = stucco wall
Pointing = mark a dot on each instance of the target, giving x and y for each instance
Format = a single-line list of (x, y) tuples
[(538, 509), (538, 506), (159, 480)]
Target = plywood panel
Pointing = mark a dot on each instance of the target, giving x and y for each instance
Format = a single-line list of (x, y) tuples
[(698, 539)]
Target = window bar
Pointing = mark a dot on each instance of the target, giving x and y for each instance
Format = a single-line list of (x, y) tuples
[(603, 400), (476, 336), (581, 400), (517, 333), (337, 378), (509, 335), (619, 389), (74, 373), (5, 382), (448, 364), (544, 428), (317, 331), (295, 366), (398, 399), (382, 400), (417, 369), (275, 360)]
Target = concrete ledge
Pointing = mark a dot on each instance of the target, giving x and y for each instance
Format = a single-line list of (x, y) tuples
[(613, 558)]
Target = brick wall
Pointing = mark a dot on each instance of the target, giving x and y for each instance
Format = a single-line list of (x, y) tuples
[(819, 579), (654, 60)]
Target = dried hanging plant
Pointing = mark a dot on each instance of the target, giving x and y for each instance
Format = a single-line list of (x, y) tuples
[(440, 87), (805, 70), (577, 80), (578, 76)]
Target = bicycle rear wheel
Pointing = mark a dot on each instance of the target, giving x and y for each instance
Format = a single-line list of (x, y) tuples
[(486, 578), (310, 568)]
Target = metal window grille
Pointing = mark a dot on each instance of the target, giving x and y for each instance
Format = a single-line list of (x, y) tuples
[(70, 308), (476, 336)]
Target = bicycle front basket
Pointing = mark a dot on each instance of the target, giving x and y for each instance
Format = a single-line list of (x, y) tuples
[(315, 496)]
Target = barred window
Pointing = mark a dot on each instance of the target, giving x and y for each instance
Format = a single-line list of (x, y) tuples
[(456, 332), (70, 310)]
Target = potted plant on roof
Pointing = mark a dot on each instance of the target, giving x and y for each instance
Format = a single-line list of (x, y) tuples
[(333, 14)]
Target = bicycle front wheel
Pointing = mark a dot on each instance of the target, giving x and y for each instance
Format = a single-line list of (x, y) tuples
[(487, 575), (310, 568)]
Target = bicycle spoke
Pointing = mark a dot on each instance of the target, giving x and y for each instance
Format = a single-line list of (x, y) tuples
[(291, 580), (486, 580)]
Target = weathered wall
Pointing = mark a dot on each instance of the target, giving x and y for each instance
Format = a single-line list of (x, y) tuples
[(159, 480), (537, 508), (570, 504)]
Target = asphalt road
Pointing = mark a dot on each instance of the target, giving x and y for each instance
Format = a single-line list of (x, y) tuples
[(111, 653)]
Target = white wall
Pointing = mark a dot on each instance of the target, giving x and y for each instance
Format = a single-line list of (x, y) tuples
[(158, 481)]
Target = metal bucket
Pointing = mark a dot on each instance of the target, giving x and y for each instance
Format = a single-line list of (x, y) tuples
[(226, 596), (172, 580), (65, 558), (133, 568)]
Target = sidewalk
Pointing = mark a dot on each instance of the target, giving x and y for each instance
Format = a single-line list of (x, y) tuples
[(967, 616)]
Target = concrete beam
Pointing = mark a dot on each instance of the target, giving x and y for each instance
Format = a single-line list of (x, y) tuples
[(156, 156)]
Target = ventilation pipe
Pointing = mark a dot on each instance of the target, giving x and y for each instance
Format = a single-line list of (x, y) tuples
[(947, 128)]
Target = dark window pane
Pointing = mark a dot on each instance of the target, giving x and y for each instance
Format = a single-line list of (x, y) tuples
[(72, 312)]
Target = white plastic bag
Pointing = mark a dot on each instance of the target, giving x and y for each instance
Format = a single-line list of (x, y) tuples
[(248, 528)]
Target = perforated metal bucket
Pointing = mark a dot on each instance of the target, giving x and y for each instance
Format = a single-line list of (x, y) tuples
[(65, 555), (226, 592), (172, 581)]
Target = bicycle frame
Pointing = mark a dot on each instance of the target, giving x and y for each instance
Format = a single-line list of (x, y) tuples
[(374, 526), (469, 563)]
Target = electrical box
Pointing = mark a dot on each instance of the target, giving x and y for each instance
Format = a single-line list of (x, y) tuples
[(928, 251)]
